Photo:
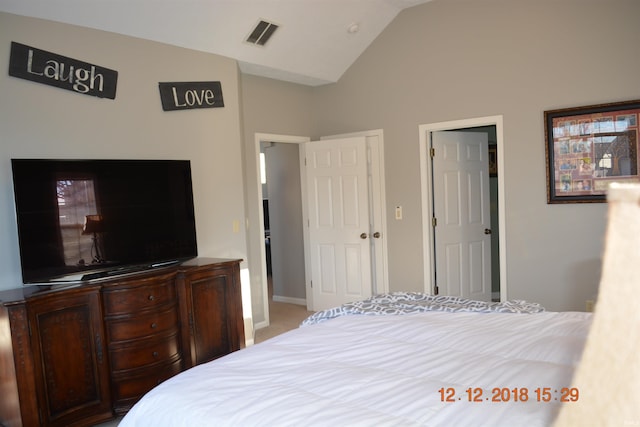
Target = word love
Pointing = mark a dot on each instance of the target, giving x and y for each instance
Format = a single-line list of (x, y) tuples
[(192, 98), (60, 71), (190, 95)]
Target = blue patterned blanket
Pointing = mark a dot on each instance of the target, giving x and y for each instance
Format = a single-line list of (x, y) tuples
[(415, 302)]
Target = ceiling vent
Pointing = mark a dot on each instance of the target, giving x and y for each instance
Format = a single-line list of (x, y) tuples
[(262, 33)]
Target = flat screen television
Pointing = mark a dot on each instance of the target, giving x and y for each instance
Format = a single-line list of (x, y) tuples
[(85, 219)]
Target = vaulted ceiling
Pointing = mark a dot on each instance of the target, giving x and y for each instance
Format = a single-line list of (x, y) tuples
[(315, 42)]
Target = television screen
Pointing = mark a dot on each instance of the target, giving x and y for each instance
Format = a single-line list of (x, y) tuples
[(85, 219)]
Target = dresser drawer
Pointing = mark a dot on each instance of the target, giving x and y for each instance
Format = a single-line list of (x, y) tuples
[(146, 325), (133, 299), (130, 388), (142, 353)]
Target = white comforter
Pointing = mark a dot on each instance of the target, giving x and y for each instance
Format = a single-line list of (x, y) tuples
[(381, 371)]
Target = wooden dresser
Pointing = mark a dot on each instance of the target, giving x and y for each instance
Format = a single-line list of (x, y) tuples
[(80, 354)]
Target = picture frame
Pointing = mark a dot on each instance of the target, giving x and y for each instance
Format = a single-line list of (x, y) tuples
[(589, 147)]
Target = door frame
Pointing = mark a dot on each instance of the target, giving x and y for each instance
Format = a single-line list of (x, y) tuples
[(428, 236), (258, 138)]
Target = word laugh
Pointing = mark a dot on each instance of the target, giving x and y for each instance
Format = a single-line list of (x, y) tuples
[(55, 70)]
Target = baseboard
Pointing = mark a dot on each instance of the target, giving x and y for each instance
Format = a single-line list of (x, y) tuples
[(260, 325), (290, 300)]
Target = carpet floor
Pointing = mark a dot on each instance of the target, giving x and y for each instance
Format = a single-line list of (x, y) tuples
[(283, 317)]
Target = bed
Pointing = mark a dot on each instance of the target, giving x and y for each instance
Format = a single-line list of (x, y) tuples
[(401, 359)]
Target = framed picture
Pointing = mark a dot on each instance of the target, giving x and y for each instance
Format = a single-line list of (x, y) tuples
[(587, 148), (493, 161)]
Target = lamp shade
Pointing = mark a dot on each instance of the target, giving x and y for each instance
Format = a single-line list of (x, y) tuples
[(92, 224), (608, 376)]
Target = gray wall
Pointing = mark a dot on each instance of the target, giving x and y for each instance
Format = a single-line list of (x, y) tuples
[(444, 60), (456, 59), (459, 59), (43, 121)]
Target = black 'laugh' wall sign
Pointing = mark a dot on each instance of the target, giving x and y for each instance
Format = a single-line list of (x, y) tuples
[(60, 71)]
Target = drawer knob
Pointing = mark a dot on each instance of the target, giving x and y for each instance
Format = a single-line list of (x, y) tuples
[(154, 325), (151, 297), (155, 354)]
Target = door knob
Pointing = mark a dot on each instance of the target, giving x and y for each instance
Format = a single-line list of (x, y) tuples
[(376, 234), (487, 231), (363, 236)]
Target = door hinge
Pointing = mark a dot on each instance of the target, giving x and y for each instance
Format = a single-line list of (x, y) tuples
[(311, 282), (436, 290), (434, 222), (432, 152)]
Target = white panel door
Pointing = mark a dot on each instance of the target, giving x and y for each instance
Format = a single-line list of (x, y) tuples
[(377, 215), (338, 210), (461, 208)]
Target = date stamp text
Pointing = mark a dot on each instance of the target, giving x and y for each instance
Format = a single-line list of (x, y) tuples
[(506, 394)]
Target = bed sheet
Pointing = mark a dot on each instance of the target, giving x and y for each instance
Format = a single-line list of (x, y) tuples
[(382, 371)]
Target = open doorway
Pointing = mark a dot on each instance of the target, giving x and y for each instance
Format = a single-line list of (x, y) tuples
[(282, 213), (260, 297), (283, 241), (493, 127)]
